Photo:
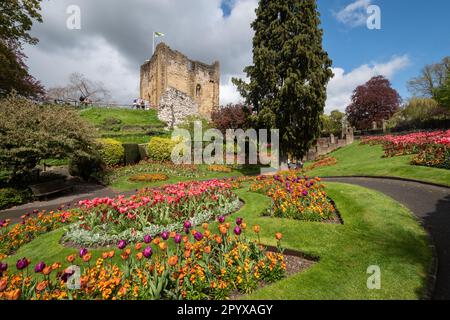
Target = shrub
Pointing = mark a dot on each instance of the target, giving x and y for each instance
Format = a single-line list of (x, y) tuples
[(148, 177), (111, 151), (230, 117), (86, 166), (160, 149), (132, 153), (10, 197)]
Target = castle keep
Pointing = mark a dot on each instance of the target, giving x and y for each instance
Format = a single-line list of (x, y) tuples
[(171, 75)]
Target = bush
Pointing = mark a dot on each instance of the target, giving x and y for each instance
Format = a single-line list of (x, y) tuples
[(132, 154), (160, 149), (230, 117), (10, 197), (86, 166), (111, 151)]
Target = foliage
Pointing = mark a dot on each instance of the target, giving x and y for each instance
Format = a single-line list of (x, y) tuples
[(160, 149), (296, 197), (375, 101), (332, 124), (231, 116), (203, 265), (189, 124), (12, 197), (290, 71), (432, 77), (14, 74), (149, 177), (30, 132), (442, 94), (111, 151), (87, 166)]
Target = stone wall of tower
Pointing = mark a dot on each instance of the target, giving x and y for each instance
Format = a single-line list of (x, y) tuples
[(171, 69)]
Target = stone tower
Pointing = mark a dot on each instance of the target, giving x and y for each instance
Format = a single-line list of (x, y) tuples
[(169, 69)]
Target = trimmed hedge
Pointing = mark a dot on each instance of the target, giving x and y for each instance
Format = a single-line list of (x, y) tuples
[(160, 149), (111, 151), (10, 197)]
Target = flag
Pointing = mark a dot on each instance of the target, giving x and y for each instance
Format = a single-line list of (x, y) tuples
[(159, 34)]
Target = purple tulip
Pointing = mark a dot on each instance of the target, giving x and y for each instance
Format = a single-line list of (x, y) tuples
[(147, 238), (221, 219), (187, 224), (22, 264), (237, 230), (304, 193), (3, 267), (165, 235), (83, 252), (177, 238), (186, 230), (122, 244), (66, 275), (239, 221), (198, 236), (39, 267), (147, 252), (2, 223)]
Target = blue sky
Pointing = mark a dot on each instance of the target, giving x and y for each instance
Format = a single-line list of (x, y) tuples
[(416, 30)]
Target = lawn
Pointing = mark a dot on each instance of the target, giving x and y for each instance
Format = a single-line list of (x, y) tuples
[(377, 231), (366, 160), (125, 125)]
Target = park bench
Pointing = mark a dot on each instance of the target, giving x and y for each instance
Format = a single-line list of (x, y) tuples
[(45, 189)]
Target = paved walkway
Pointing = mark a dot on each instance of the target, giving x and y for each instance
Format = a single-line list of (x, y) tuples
[(431, 204)]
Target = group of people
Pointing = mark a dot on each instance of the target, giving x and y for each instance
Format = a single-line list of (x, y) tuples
[(141, 104)]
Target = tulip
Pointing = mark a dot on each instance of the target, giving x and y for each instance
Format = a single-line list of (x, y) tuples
[(83, 252), (147, 252), (198, 236), (122, 244), (39, 267), (3, 267), (237, 230), (177, 238), (221, 219), (147, 238), (187, 224), (138, 246), (278, 236), (22, 264), (173, 260), (239, 221), (165, 235)]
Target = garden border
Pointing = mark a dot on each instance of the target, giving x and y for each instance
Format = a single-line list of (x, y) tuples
[(389, 178)]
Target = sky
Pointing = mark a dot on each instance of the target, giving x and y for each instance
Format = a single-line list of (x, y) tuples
[(115, 38)]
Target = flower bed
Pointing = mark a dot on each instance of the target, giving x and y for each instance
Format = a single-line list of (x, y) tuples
[(199, 265), (432, 148), (219, 168), (104, 220), (296, 197), (325, 162), (31, 226), (148, 177)]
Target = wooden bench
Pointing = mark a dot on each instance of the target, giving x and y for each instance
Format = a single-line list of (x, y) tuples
[(48, 188)]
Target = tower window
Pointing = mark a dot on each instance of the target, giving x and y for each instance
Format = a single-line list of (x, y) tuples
[(198, 90)]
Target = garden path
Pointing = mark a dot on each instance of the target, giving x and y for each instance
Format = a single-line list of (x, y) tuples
[(431, 205)]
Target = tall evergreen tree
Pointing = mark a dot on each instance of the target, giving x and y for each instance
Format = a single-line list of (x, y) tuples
[(290, 71)]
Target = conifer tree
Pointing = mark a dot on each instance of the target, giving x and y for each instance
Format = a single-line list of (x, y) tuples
[(290, 71)]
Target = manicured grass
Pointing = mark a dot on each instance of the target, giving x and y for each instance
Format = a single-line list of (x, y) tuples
[(365, 160), (377, 231)]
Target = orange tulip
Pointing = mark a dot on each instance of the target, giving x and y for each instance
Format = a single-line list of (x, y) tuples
[(172, 234), (193, 231), (207, 233), (87, 257), (56, 265), (128, 251), (173, 261), (207, 249), (278, 236), (185, 239), (156, 240), (227, 225), (223, 230), (124, 256), (105, 255), (41, 286), (257, 229), (46, 271), (71, 258), (139, 256), (111, 254), (3, 283), (187, 253), (205, 226), (163, 246), (218, 239), (138, 246), (243, 225)]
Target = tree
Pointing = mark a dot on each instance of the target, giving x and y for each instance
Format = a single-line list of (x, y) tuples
[(30, 132), (431, 78), (332, 124), (375, 101), (14, 74), (231, 116), (79, 86), (16, 20), (442, 94), (290, 71)]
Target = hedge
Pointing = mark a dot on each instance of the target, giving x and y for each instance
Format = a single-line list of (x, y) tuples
[(111, 151), (160, 149)]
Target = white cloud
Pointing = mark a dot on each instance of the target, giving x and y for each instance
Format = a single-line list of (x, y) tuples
[(355, 14), (341, 87)]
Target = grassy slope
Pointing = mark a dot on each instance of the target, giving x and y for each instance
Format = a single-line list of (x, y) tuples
[(367, 160), (377, 231), (129, 117)]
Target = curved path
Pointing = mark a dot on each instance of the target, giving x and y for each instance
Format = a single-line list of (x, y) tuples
[(431, 204)]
